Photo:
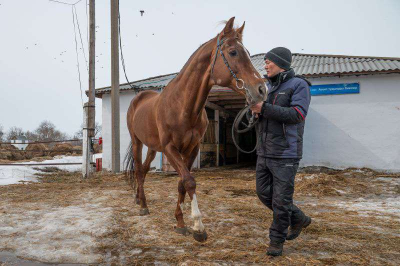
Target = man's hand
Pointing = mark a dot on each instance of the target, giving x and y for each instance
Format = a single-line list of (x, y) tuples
[(256, 109)]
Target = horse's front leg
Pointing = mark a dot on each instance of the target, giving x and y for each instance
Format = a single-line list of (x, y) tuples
[(186, 184)]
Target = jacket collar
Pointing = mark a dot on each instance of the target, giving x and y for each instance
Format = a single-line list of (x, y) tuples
[(282, 77)]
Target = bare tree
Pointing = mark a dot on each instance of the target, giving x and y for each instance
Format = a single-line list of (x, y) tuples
[(97, 131), (31, 136), (47, 132), (1, 133), (14, 132)]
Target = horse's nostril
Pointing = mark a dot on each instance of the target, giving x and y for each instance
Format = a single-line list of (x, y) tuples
[(261, 90)]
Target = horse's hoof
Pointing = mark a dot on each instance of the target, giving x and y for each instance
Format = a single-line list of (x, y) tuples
[(200, 236), (182, 230), (144, 211)]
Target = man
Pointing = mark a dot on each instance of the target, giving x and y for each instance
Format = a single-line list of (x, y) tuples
[(282, 118)]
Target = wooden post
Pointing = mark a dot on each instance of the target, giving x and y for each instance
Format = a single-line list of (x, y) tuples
[(224, 139), (115, 144), (216, 119)]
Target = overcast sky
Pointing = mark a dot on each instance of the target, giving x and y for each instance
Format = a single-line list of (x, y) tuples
[(39, 76)]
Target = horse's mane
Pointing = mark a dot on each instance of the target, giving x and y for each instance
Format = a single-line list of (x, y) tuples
[(222, 22), (191, 57)]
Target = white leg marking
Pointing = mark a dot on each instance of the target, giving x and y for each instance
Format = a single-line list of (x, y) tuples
[(196, 215)]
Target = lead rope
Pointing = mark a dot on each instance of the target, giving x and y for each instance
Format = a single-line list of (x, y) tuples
[(253, 122)]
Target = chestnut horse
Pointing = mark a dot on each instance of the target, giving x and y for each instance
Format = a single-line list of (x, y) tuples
[(175, 120)]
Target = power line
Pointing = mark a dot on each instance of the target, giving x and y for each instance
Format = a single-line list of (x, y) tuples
[(80, 36), (87, 23), (77, 57), (60, 2), (76, 42), (122, 55)]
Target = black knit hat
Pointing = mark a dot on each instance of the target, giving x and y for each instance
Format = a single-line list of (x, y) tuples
[(281, 56)]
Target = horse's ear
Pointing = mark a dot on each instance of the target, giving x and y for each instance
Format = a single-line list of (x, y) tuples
[(240, 31), (228, 27)]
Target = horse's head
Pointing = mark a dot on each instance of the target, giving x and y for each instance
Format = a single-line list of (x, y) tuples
[(231, 65)]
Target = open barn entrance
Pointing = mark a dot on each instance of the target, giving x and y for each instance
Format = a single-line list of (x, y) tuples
[(217, 147)]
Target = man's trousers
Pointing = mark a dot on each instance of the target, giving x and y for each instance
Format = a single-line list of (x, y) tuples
[(275, 188)]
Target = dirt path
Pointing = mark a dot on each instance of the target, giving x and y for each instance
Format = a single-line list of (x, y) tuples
[(65, 220)]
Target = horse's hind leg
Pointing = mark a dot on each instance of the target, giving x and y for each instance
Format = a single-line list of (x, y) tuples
[(151, 154), (137, 147)]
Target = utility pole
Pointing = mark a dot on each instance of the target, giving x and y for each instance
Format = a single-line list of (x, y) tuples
[(92, 60), (115, 144), (89, 107)]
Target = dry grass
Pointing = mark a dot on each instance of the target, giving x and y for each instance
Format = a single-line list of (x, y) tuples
[(236, 222)]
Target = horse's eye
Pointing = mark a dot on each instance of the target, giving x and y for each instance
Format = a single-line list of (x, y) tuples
[(233, 53)]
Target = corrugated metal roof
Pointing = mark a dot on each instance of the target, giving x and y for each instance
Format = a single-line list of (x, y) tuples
[(313, 65), (309, 65), (150, 83)]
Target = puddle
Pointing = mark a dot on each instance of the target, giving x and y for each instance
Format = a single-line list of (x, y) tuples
[(10, 259)]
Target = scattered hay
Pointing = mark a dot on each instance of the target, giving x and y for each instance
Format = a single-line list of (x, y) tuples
[(236, 222), (339, 182)]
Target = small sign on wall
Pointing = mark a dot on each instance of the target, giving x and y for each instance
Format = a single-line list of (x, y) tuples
[(328, 89)]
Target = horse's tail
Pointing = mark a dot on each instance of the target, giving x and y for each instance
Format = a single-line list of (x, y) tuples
[(130, 167)]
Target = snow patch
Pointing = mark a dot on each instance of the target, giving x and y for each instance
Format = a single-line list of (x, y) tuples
[(385, 207), (16, 174), (55, 235)]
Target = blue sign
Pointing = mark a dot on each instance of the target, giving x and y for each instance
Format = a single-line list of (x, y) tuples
[(327, 89)]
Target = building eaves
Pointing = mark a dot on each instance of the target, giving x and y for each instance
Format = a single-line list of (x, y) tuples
[(308, 65)]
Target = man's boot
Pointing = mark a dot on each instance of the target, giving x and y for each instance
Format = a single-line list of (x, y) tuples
[(275, 249), (295, 230)]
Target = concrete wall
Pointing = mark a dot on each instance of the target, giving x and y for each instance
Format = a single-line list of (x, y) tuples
[(355, 130), (125, 139)]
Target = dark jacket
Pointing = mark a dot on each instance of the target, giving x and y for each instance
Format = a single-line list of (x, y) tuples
[(283, 116)]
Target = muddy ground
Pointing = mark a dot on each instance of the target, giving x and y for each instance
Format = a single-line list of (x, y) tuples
[(62, 219)]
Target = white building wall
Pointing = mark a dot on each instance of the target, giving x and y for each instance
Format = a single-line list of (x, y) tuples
[(125, 139), (20, 146), (355, 130)]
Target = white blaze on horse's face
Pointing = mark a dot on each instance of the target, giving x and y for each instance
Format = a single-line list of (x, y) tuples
[(196, 215)]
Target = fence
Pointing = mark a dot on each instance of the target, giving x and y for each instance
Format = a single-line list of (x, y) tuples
[(15, 154)]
